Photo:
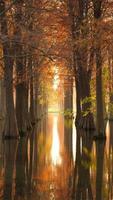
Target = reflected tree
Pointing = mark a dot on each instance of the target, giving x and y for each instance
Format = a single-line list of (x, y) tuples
[(20, 179), (30, 164), (10, 148), (81, 181), (110, 161), (26, 166), (100, 146)]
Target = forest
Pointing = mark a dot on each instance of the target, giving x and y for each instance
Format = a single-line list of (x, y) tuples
[(56, 99)]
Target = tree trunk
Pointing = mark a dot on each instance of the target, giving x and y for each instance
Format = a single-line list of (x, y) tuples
[(78, 106), (68, 120), (11, 124), (99, 94), (36, 99), (22, 86), (110, 106), (11, 130), (2, 107), (2, 100), (87, 120), (32, 92), (22, 107), (81, 61)]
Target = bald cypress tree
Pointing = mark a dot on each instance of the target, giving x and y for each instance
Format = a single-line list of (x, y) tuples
[(78, 12), (11, 130)]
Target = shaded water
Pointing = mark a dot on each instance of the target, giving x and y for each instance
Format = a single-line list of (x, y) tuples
[(57, 162)]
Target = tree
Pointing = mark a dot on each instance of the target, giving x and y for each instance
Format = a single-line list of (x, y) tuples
[(99, 91), (11, 130), (82, 56)]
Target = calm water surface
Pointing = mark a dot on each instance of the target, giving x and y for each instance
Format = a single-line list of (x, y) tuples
[(57, 162)]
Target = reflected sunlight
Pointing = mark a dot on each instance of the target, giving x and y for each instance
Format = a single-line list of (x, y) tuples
[(74, 142), (55, 150)]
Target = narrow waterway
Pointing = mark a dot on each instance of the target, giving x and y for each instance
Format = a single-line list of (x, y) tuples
[(57, 162)]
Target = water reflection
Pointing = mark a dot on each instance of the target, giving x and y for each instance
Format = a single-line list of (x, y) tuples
[(21, 163), (108, 179), (10, 149), (52, 177), (82, 172), (41, 166), (74, 139), (99, 169), (55, 150)]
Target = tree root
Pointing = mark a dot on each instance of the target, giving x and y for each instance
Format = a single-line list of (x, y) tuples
[(86, 122)]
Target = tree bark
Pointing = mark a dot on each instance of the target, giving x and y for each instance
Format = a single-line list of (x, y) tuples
[(2, 107), (81, 64), (11, 124), (68, 120), (22, 107), (110, 106), (22, 86), (99, 93), (78, 106), (2, 100), (10, 130)]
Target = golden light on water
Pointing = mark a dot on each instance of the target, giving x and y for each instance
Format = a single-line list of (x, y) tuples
[(55, 149), (74, 142)]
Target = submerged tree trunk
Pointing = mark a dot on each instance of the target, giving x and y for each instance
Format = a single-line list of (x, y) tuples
[(2, 100), (99, 92), (68, 120), (83, 73), (11, 124), (110, 106), (81, 59), (32, 92), (86, 120), (11, 130), (22, 107), (2, 106), (78, 106), (22, 86)]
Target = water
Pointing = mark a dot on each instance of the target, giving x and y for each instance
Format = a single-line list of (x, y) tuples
[(57, 162)]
